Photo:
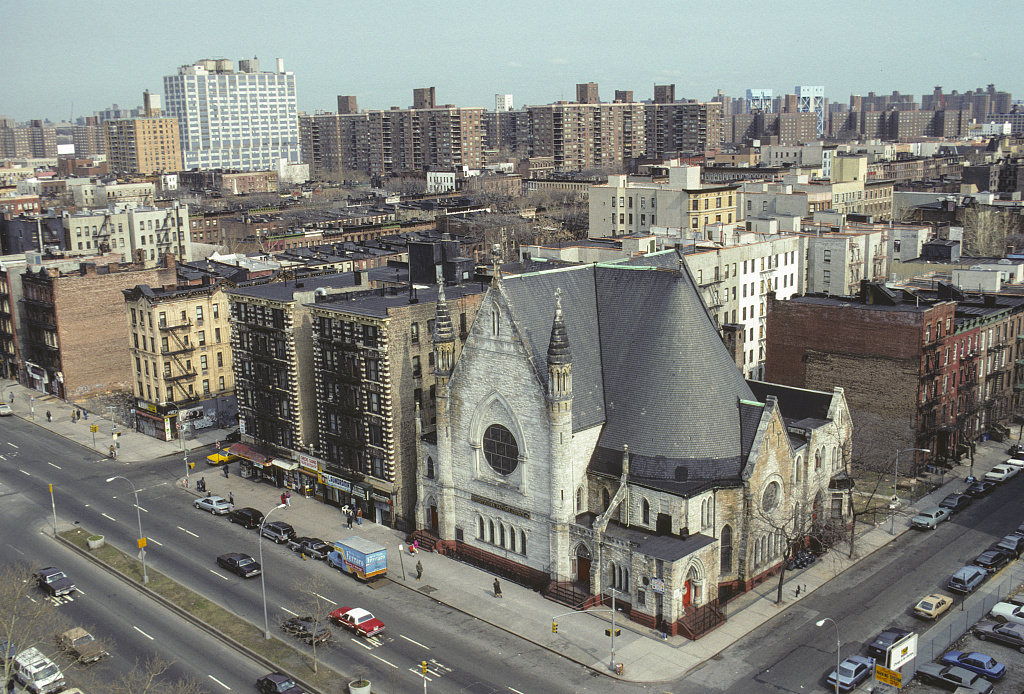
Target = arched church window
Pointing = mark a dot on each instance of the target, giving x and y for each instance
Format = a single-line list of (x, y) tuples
[(501, 534), (490, 536), (770, 497), (579, 500), (645, 509), (606, 499), (480, 528), (522, 542), (501, 449), (726, 549), (430, 468), (512, 539)]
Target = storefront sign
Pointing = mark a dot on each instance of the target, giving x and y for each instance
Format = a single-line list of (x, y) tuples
[(309, 462), (335, 482), (500, 506), (378, 496), (360, 492)]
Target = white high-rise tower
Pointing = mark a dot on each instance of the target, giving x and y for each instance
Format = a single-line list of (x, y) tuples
[(503, 102), (246, 120), (812, 100)]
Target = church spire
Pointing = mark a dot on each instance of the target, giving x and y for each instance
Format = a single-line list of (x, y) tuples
[(559, 361), (443, 338), (558, 346)]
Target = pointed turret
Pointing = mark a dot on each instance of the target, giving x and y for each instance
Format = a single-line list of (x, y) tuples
[(559, 360), (443, 338)]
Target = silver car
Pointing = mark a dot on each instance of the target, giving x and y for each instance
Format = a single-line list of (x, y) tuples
[(930, 517), (217, 505)]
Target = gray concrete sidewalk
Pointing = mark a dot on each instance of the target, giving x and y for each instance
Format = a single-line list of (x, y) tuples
[(644, 654)]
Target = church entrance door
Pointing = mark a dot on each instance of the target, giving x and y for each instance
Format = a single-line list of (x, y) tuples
[(433, 519), (583, 571)]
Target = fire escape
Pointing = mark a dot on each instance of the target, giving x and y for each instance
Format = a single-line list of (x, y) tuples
[(712, 293), (179, 350)]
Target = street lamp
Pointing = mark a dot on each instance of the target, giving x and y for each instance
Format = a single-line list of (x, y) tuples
[(138, 512), (821, 623), (263, 573), (895, 476)]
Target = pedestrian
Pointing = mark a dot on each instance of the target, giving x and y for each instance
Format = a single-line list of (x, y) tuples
[(49, 416), (348, 516), (497, 588), (419, 570), (227, 470), (283, 499), (12, 397), (288, 498), (85, 415), (231, 498), (359, 516)]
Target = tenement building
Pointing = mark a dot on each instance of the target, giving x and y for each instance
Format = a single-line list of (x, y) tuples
[(575, 456)]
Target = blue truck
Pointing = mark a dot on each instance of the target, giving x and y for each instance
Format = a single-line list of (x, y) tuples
[(361, 558)]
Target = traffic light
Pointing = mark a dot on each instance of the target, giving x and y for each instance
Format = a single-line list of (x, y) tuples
[(608, 632), (554, 627), (423, 666), (191, 466)]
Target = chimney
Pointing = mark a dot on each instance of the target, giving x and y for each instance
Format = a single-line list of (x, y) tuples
[(170, 262)]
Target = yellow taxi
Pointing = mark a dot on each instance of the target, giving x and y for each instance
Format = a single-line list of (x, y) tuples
[(221, 457), (931, 606)]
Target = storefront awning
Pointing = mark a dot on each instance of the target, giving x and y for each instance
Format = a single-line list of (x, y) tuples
[(284, 464), (249, 453)]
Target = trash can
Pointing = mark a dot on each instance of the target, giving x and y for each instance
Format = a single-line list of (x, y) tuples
[(618, 668)]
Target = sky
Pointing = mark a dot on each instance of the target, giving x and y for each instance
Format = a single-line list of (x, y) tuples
[(62, 57)]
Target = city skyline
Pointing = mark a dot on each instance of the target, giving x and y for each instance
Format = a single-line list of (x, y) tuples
[(475, 50)]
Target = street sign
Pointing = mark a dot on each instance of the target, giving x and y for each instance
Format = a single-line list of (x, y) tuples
[(142, 542), (887, 676), (902, 652)]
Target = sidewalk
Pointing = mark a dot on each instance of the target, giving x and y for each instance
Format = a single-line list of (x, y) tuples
[(645, 656)]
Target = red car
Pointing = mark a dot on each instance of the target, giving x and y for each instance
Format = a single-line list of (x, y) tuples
[(358, 620)]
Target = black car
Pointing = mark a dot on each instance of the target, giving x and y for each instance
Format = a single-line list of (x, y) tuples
[(54, 581), (992, 560), (304, 628), (878, 647), (278, 531), (1012, 544), (1009, 634), (315, 547), (980, 488), (1020, 529), (247, 517), (1015, 448), (956, 502), (276, 683), (241, 564)]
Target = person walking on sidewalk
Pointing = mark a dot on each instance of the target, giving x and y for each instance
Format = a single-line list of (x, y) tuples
[(288, 499), (49, 416), (227, 470), (349, 517), (12, 397), (419, 570), (113, 451), (497, 588), (231, 498), (283, 499), (359, 516)]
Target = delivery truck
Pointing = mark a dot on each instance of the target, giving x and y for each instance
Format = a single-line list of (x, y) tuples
[(361, 558)]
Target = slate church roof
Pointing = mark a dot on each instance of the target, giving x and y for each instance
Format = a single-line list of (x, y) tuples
[(648, 363)]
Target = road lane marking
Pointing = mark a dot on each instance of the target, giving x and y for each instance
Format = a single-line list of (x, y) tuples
[(11, 444), (293, 614), (415, 671), (140, 508), (24, 473), (323, 598), (16, 549), (358, 642), (108, 517), (383, 661), (514, 690), (219, 682), (155, 542), (56, 466), (187, 531), (415, 642), (143, 633), (217, 573), (3, 457)]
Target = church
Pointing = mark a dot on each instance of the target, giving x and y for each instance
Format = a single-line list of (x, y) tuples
[(596, 436)]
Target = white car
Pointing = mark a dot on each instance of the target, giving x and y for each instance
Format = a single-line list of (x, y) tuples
[(1015, 462), (1001, 472), (6, 411), (1004, 612), (217, 505)]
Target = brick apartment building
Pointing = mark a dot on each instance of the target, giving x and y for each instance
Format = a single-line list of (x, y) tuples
[(929, 370)]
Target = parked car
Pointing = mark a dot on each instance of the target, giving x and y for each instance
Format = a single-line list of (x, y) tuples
[(1001, 472), (276, 683), (980, 488), (241, 564), (358, 620), (278, 531), (217, 505), (1009, 634), (247, 517), (81, 645), (1017, 460), (992, 560), (981, 663), (930, 518), (1008, 611), (1015, 448), (931, 606), (305, 629), (881, 643), (5, 410), (1019, 530), (956, 502), (221, 457), (54, 581), (310, 546), (1013, 544), (852, 672), (951, 676), (966, 579), (39, 674)]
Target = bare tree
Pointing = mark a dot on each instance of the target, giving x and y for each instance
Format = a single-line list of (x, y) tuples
[(149, 678), (29, 617), (317, 609), (986, 229)]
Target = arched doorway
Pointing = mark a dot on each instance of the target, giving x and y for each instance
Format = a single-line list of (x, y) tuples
[(581, 565), (432, 515), (693, 586)]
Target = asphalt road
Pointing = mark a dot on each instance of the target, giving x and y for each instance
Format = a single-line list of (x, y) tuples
[(134, 629), (463, 653)]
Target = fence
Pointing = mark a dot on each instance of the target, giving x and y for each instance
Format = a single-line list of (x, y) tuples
[(958, 621)]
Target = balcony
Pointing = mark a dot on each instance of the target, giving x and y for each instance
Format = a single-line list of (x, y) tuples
[(178, 349), (186, 323), (185, 376)]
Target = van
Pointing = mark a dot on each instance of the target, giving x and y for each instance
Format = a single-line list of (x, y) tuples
[(967, 578), (39, 674)]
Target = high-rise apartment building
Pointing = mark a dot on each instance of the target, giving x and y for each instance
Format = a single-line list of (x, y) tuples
[(664, 93), (347, 104), (812, 100), (33, 140), (145, 145), (586, 93), (584, 136), (245, 119), (425, 97), (503, 102), (88, 138), (682, 127)]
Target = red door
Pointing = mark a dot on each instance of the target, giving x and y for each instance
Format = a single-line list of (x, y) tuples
[(686, 595), (433, 519)]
